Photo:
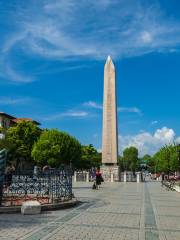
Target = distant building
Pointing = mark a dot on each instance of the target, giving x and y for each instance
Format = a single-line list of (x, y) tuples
[(7, 121), (18, 120)]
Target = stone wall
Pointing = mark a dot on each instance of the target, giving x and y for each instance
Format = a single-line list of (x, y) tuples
[(110, 173)]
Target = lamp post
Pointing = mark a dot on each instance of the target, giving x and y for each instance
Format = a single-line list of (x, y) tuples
[(178, 152)]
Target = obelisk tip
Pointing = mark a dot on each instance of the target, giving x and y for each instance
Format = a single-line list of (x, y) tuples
[(109, 58), (109, 61)]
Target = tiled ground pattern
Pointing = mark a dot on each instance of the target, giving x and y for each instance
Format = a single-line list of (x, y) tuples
[(127, 211)]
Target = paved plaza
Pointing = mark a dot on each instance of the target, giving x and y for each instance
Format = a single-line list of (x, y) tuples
[(116, 211)]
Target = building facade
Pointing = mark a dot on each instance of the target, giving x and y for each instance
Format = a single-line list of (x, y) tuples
[(7, 121)]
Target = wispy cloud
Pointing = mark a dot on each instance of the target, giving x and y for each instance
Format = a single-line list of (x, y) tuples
[(92, 104), (51, 70), (130, 110), (154, 122), (67, 114), (14, 101), (95, 105), (70, 29), (16, 76), (82, 113)]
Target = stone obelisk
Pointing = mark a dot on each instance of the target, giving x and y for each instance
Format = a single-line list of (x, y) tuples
[(110, 129)]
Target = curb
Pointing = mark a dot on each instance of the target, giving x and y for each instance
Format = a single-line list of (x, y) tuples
[(44, 207)]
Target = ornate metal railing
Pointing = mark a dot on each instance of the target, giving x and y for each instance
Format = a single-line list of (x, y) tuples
[(3, 154), (51, 186)]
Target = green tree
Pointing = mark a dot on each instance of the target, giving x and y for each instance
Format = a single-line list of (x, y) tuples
[(4, 144), (55, 148), (97, 160), (130, 159), (147, 163), (90, 157), (20, 139), (121, 163), (146, 158), (166, 159)]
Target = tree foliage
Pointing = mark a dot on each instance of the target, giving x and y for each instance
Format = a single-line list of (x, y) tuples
[(166, 159), (90, 158), (19, 141), (130, 159), (25, 142), (55, 148), (146, 163)]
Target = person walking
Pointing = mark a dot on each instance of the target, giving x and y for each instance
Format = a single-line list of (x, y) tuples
[(98, 178), (162, 178)]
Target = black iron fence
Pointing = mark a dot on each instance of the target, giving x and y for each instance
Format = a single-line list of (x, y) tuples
[(2, 171), (51, 186)]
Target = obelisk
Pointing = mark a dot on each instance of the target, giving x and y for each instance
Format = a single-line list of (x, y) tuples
[(110, 129)]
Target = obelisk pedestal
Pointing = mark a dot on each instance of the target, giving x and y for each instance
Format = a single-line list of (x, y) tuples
[(109, 168)]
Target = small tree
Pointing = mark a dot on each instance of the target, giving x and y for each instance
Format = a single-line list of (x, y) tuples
[(55, 148), (20, 139), (130, 159)]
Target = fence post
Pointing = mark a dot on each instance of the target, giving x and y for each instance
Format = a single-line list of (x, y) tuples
[(75, 179), (125, 176), (138, 177), (87, 176), (112, 179)]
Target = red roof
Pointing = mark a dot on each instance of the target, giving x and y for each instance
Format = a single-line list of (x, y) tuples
[(26, 120), (16, 120)]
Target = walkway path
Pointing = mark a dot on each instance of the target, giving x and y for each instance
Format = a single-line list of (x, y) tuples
[(116, 211)]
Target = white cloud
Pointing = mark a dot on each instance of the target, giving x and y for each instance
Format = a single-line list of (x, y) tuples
[(146, 37), (70, 29), (148, 143), (67, 114), (83, 114), (8, 71), (178, 140), (165, 134), (92, 104), (14, 101), (130, 110), (154, 122), (75, 114), (70, 33)]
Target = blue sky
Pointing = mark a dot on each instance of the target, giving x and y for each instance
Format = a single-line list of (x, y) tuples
[(52, 57)]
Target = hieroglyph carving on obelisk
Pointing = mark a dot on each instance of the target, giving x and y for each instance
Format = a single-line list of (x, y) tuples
[(110, 130)]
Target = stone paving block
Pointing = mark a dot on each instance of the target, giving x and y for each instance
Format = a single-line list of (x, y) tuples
[(31, 208)]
